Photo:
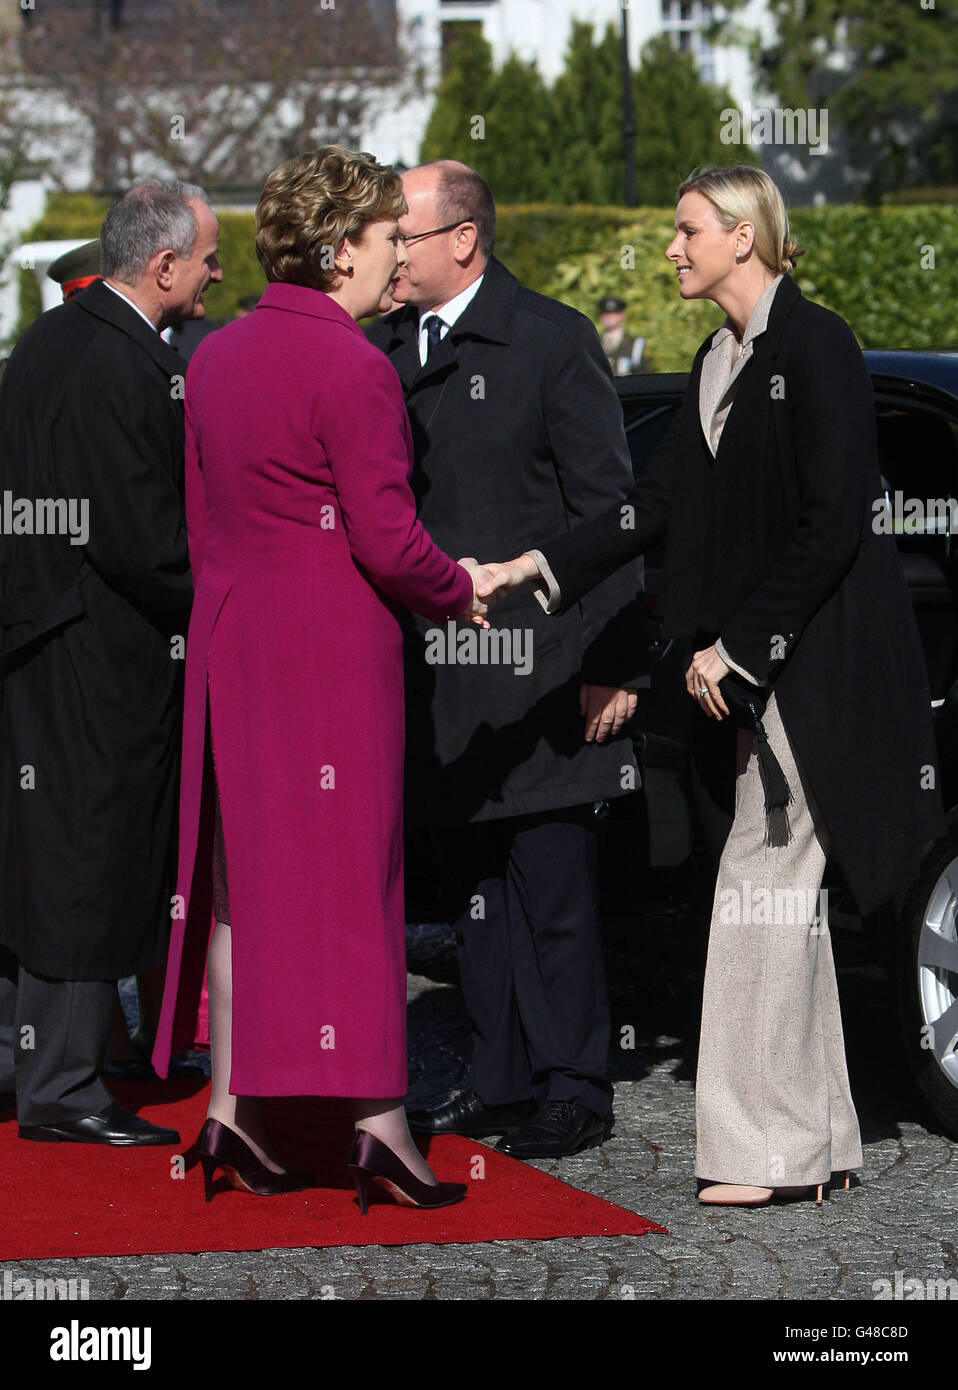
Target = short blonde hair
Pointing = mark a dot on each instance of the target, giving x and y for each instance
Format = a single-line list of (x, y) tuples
[(311, 202), (742, 193)]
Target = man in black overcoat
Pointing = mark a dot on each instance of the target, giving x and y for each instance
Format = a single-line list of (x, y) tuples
[(95, 593), (511, 738)]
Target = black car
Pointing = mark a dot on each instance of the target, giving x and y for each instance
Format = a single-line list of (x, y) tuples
[(916, 398)]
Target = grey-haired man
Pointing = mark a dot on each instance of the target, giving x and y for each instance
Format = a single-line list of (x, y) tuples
[(92, 621)]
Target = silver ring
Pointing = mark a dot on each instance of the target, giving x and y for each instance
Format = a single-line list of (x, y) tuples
[(703, 690)]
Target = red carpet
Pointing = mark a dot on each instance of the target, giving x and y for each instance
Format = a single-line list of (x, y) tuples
[(89, 1199)]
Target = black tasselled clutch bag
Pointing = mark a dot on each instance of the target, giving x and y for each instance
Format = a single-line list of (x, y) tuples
[(746, 704)]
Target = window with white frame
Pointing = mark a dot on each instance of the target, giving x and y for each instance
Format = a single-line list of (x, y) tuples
[(684, 22)]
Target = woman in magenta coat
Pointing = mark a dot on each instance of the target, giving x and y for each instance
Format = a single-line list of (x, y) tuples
[(303, 540)]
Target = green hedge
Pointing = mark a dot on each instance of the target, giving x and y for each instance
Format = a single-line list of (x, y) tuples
[(865, 263), (868, 266), (69, 215), (242, 272), (533, 237)]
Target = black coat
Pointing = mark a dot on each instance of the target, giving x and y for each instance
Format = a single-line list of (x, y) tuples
[(771, 546), (187, 335), (518, 432), (89, 680)]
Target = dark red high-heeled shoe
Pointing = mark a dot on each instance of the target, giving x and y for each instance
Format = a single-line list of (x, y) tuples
[(370, 1160), (218, 1146)]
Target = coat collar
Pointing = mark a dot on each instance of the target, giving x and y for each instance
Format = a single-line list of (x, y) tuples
[(301, 299), (786, 297), (491, 313), (766, 345), (100, 301), (488, 317), (758, 319)]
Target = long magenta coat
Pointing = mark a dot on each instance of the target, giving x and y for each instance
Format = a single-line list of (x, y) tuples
[(303, 539)]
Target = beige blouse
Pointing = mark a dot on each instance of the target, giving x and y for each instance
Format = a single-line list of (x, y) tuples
[(723, 366)]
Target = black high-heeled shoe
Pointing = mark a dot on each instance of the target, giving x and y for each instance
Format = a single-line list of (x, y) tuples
[(370, 1160), (218, 1146)]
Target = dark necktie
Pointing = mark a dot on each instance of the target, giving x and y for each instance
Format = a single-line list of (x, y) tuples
[(433, 334)]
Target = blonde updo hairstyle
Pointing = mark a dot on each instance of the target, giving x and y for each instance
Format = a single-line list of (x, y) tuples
[(311, 202), (742, 193)]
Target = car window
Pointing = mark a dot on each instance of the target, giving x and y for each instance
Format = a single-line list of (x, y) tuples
[(918, 459), (646, 424)]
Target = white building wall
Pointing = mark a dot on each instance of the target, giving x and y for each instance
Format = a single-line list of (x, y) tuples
[(27, 201)]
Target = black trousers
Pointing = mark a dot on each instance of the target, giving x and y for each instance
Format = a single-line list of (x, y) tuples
[(54, 1036), (530, 957)]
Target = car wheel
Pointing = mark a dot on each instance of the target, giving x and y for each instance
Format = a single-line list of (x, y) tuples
[(928, 979)]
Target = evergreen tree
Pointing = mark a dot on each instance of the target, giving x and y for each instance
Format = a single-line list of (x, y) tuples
[(497, 123), (678, 123), (464, 92), (518, 144), (566, 145), (588, 163)]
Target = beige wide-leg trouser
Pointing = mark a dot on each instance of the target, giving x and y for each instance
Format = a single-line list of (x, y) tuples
[(772, 1101)]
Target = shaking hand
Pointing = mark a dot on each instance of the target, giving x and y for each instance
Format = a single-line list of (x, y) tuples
[(478, 608), (502, 578)]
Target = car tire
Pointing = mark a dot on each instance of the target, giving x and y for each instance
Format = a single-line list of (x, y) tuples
[(927, 979)]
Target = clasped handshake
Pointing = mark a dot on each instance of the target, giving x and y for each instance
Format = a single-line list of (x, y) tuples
[(491, 582)]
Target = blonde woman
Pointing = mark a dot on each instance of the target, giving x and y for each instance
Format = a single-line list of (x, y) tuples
[(797, 624)]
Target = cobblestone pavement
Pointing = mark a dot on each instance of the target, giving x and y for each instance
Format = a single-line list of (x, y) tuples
[(903, 1218)]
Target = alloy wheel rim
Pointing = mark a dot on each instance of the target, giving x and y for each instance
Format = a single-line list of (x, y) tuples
[(938, 973)]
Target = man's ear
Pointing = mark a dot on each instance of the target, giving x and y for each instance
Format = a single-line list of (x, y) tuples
[(162, 267), (467, 240)]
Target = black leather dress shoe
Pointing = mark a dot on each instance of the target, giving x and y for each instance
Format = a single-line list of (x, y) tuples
[(467, 1114), (114, 1125), (558, 1127)]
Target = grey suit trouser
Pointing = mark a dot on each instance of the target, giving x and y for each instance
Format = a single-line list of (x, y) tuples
[(773, 1104), (54, 1036)]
